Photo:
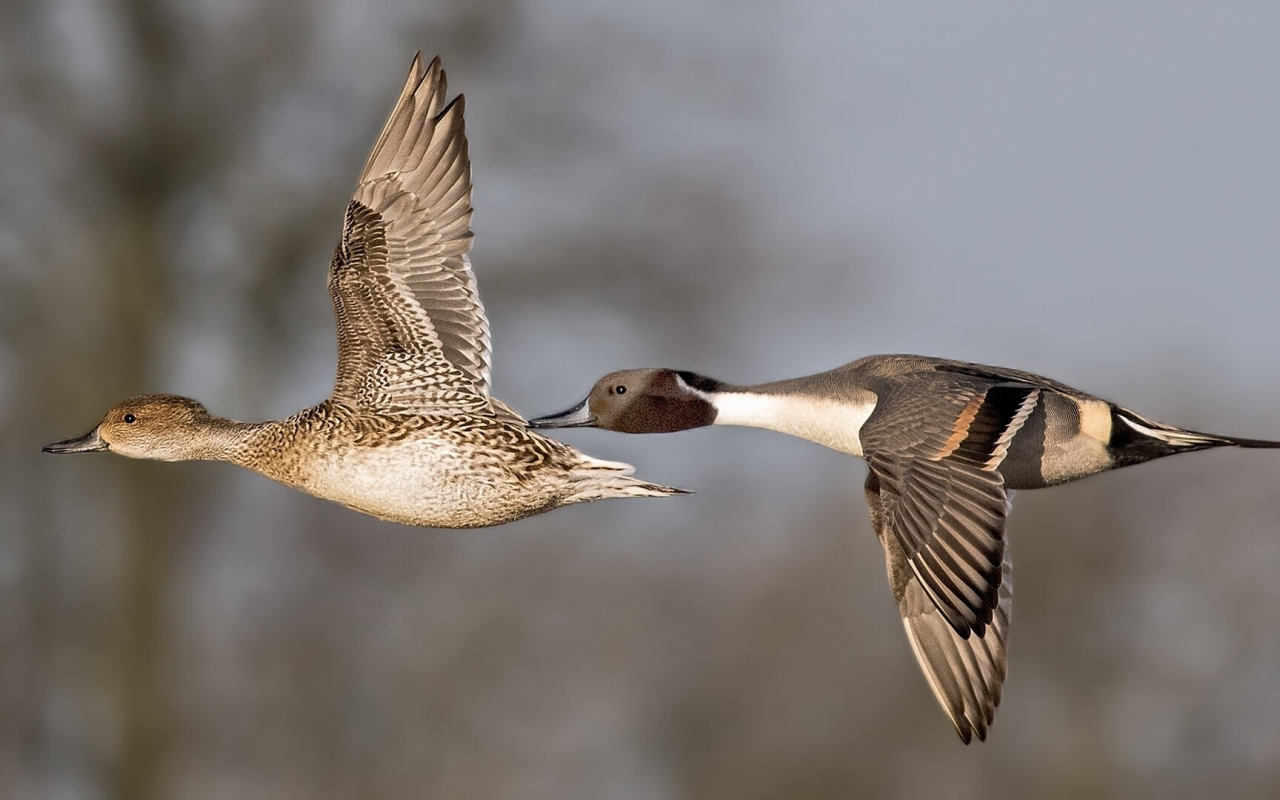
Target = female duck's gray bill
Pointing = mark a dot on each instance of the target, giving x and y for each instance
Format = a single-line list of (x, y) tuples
[(577, 417), (91, 442)]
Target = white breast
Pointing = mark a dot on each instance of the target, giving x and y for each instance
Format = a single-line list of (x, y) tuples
[(828, 422)]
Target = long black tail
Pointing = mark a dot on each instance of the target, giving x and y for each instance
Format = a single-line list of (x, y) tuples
[(1135, 439), (1232, 440)]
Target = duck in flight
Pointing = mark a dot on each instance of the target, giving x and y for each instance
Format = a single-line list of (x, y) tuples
[(410, 433), (947, 444)]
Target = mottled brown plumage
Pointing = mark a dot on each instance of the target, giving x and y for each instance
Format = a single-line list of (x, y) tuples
[(410, 433)]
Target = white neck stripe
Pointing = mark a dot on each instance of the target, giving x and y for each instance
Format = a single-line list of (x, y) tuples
[(828, 422)]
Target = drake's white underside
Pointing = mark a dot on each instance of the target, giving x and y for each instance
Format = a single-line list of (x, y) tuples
[(828, 422)]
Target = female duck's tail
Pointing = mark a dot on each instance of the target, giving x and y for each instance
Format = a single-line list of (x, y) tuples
[(598, 480)]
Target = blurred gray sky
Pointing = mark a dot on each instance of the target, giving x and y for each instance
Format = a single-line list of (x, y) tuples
[(751, 190), (1089, 191)]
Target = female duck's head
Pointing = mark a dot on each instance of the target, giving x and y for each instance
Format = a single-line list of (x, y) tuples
[(159, 426), (642, 401)]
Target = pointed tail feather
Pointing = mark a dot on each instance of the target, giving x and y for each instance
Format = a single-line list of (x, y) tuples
[(599, 479), (602, 488), (1125, 424), (1237, 442)]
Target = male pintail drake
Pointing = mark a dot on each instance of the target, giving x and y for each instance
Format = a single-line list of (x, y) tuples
[(947, 444), (410, 433)]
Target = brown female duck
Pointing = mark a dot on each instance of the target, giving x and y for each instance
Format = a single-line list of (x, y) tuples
[(410, 433)]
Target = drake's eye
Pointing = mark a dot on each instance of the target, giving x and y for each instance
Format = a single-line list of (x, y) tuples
[(129, 419), (619, 390)]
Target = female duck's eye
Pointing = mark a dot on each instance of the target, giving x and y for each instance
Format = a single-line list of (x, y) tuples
[(129, 419), (619, 390)]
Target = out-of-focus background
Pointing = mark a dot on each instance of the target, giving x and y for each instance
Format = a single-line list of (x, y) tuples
[(750, 190)]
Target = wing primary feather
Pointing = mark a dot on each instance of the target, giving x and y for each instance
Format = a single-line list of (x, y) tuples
[(412, 330)]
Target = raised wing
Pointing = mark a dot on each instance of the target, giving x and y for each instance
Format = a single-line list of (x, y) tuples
[(965, 674), (935, 460), (412, 334)]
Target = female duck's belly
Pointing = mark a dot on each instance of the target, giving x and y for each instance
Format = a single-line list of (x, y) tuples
[(426, 483)]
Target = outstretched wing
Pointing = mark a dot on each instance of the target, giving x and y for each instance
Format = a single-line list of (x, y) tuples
[(935, 458), (965, 673), (412, 334)]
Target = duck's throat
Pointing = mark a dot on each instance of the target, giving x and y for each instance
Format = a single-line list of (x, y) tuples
[(829, 422)]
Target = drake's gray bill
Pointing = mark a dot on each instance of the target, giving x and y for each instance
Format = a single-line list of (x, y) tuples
[(577, 417), (91, 442)]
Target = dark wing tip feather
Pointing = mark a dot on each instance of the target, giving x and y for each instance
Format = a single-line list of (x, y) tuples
[(964, 669), (966, 674)]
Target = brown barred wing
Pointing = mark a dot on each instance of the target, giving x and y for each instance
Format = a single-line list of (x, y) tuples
[(412, 333)]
